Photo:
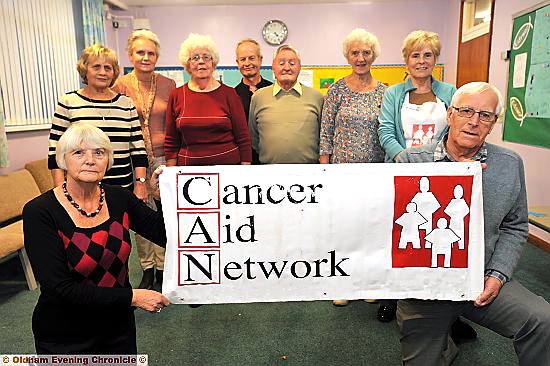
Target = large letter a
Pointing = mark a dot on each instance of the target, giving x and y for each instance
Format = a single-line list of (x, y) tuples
[(202, 231)]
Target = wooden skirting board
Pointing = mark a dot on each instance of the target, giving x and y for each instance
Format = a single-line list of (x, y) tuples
[(536, 241)]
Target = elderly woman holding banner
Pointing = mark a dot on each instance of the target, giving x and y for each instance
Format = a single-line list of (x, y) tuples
[(77, 236)]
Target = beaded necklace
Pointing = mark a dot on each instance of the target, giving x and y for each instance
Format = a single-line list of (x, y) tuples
[(146, 110), (77, 206)]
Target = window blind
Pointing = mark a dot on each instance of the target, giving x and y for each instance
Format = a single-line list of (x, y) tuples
[(38, 63)]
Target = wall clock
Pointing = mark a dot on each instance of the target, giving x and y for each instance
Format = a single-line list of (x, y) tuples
[(275, 32)]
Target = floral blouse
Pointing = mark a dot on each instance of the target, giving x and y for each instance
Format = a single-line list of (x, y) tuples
[(349, 125)]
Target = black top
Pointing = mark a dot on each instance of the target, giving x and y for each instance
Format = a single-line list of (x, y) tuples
[(245, 94), (83, 272)]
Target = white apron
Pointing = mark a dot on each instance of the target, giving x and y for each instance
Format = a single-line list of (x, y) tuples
[(422, 123)]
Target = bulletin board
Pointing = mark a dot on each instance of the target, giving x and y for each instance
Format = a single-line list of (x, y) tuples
[(323, 76), (527, 119)]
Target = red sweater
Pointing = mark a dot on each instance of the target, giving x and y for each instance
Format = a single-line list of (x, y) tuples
[(206, 128)]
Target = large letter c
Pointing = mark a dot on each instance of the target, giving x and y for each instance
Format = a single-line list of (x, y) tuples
[(186, 191)]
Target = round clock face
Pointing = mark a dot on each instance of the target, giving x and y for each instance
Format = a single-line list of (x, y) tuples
[(275, 32)]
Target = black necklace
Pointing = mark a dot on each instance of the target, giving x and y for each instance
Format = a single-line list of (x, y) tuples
[(76, 205)]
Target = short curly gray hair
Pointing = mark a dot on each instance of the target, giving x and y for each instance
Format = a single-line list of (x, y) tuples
[(287, 47), (361, 35), (193, 42)]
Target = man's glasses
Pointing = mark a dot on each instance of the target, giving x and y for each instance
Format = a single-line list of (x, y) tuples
[(197, 57), (484, 116)]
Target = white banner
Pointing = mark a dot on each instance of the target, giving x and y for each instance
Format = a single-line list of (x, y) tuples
[(240, 234)]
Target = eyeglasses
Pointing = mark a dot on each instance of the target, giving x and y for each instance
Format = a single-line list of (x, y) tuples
[(484, 116), (364, 53), (197, 57)]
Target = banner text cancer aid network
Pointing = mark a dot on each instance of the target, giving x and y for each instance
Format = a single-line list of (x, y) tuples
[(293, 232), (200, 191)]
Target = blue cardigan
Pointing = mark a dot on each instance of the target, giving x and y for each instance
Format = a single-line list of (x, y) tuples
[(390, 130)]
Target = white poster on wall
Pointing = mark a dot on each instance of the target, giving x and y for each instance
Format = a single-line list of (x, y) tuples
[(239, 234), (520, 66)]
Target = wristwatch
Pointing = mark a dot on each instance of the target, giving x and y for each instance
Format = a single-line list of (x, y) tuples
[(141, 180)]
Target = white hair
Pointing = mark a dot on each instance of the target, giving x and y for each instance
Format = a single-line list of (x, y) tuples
[(286, 47), (362, 36), (78, 133), (250, 40), (145, 34), (478, 87), (195, 41)]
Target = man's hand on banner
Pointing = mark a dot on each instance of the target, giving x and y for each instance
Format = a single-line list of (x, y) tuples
[(490, 292), (155, 191), (149, 300)]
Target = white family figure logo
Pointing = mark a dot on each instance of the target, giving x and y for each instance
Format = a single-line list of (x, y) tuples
[(419, 216), (411, 222), (457, 210), (426, 203), (420, 136), (441, 240)]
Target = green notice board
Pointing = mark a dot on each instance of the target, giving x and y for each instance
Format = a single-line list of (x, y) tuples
[(527, 119)]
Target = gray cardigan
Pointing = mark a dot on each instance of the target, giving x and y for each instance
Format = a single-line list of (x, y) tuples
[(504, 204)]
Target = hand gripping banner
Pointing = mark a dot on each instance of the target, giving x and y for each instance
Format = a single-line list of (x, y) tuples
[(239, 234)]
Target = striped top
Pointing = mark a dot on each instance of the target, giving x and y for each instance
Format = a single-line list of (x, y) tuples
[(118, 118)]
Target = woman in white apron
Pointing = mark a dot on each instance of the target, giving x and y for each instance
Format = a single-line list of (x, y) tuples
[(414, 112)]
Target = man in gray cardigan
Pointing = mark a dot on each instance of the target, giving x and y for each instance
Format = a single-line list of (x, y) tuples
[(504, 306)]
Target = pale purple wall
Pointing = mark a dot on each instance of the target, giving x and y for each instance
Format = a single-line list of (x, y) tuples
[(316, 30), (24, 147)]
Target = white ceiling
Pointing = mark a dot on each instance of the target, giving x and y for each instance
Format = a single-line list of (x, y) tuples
[(236, 2)]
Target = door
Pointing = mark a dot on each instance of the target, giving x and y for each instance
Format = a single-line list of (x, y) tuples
[(474, 44)]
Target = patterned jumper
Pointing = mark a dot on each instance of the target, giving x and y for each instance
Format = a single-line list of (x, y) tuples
[(349, 125), (85, 294)]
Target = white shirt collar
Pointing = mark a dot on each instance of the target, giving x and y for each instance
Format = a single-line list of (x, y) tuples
[(277, 88)]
